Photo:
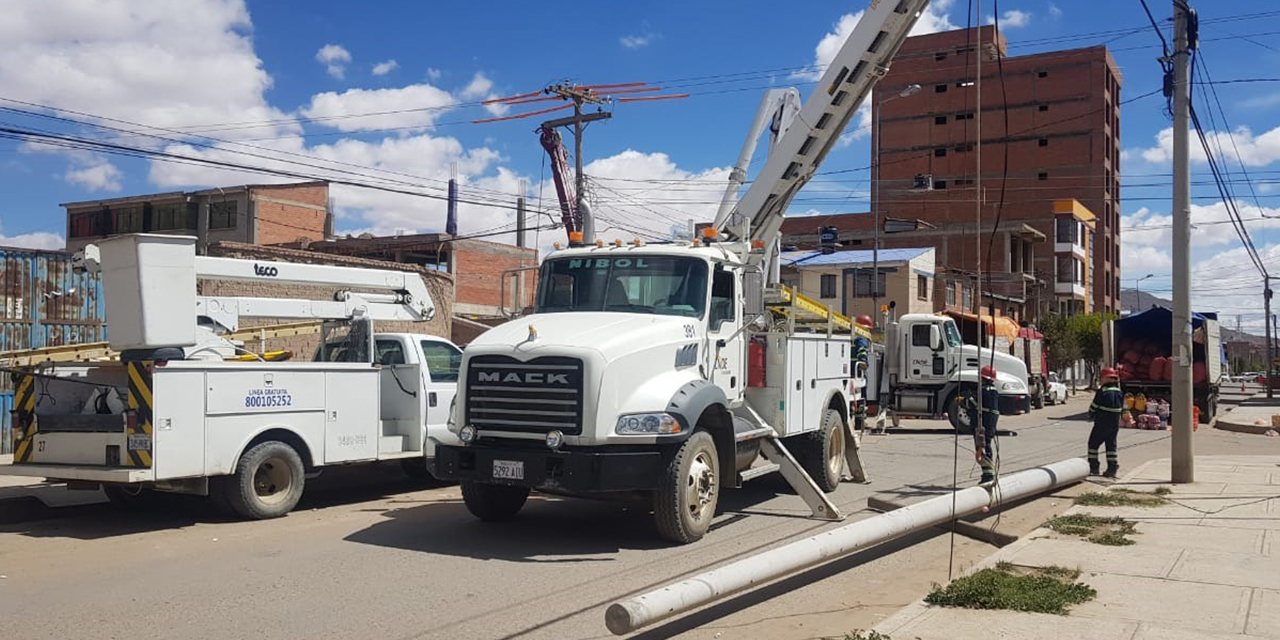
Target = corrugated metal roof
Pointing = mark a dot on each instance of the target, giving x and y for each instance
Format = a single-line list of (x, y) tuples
[(861, 257)]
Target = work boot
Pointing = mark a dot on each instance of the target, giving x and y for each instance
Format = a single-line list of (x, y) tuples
[(1093, 467), (1112, 470)]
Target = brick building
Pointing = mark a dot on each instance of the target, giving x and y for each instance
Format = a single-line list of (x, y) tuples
[(252, 214), (491, 279), (1062, 142), (843, 279)]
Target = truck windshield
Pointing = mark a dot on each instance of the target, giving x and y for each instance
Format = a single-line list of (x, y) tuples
[(664, 285), (953, 334)]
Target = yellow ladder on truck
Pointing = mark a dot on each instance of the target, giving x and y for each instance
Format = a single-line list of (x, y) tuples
[(809, 312)]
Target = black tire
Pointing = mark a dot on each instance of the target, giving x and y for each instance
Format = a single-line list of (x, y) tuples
[(1207, 412), (493, 502), (689, 491), (1038, 401), (955, 411), (131, 498), (267, 482), (821, 453)]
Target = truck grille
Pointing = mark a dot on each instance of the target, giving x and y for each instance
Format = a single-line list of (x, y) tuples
[(505, 394)]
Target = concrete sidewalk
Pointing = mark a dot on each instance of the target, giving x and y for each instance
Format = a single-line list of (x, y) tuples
[(1204, 567), (1251, 416)]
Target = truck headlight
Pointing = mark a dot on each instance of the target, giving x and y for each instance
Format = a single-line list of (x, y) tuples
[(1012, 386), (647, 424)]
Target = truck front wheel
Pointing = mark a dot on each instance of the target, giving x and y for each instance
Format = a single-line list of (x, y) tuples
[(267, 482), (689, 490), (493, 502), (960, 419)]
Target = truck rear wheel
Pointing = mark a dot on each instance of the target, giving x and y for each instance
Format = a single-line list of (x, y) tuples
[(267, 482), (493, 502), (685, 502), (821, 453), (132, 498), (960, 419)]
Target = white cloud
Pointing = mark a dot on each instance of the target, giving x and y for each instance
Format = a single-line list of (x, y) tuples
[(1055, 11), (1144, 259), (637, 41), (335, 59), (1210, 226), (649, 195), (434, 74), (152, 61), (933, 20), (34, 240), (99, 176), (1255, 151), (1011, 19), (383, 68), (416, 105), (481, 88)]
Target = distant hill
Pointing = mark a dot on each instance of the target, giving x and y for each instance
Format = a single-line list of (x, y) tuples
[(1135, 300)]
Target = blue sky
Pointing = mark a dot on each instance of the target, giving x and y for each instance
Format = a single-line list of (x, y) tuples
[(287, 77)]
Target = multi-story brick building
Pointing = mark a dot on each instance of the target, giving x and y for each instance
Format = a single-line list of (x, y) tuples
[(261, 214), (1050, 131)]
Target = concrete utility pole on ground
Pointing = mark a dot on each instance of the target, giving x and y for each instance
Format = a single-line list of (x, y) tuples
[(1180, 412)]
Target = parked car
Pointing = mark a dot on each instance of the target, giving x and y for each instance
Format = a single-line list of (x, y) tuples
[(1057, 392)]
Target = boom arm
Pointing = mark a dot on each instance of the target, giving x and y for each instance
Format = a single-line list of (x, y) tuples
[(862, 61), (402, 295), (777, 109), (554, 147)]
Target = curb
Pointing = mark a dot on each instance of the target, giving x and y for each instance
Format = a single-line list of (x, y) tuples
[(1257, 430)]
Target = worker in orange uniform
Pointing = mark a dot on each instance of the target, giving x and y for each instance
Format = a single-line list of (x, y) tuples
[(1108, 404)]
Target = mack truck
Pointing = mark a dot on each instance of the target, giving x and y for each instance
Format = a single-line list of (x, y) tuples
[(672, 371), (186, 410)]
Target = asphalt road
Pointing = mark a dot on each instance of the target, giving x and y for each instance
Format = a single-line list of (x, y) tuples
[(376, 556)]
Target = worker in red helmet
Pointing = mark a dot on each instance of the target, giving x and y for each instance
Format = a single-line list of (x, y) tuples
[(1108, 404), (985, 420), (861, 345)]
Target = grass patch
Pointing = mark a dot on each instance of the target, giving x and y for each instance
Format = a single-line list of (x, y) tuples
[(1163, 491), (1032, 589), (1122, 498), (859, 635), (1098, 530)]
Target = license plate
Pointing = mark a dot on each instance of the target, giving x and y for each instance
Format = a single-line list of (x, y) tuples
[(508, 469), (139, 442)]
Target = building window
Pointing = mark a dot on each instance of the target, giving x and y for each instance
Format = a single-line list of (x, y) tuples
[(964, 148), (939, 119), (939, 184), (175, 215), (828, 285), (922, 287), (127, 220), (1044, 142), (1043, 74), (962, 182), (940, 152), (1067, 231), (862, 284), (939, 88), (1044, 175), (951, 293), (941, 55), (964, 116), (91, 223), (1044, 107), (222, 215), (964, 84), (966, 297)]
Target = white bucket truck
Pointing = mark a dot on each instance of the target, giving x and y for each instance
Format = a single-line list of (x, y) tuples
[(174, 414)]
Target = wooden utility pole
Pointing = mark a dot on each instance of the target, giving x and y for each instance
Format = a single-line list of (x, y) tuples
[(579, 96)]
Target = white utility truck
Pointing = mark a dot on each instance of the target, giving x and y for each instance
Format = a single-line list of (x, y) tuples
[(175, 414), (670, 370), (926, 370)]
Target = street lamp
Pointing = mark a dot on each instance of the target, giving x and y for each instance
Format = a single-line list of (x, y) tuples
[(1137, 291), (909, 90)]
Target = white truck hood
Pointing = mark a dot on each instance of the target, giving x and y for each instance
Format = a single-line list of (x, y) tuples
[(612, 335)]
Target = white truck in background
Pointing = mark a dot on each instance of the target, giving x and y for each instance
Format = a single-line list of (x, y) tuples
[(174, 414)]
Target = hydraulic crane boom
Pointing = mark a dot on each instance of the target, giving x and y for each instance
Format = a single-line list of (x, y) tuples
[(862, 61), (554, 147)]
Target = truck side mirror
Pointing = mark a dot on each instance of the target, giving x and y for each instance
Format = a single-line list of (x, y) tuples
[(753, 292), (935, 338)]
